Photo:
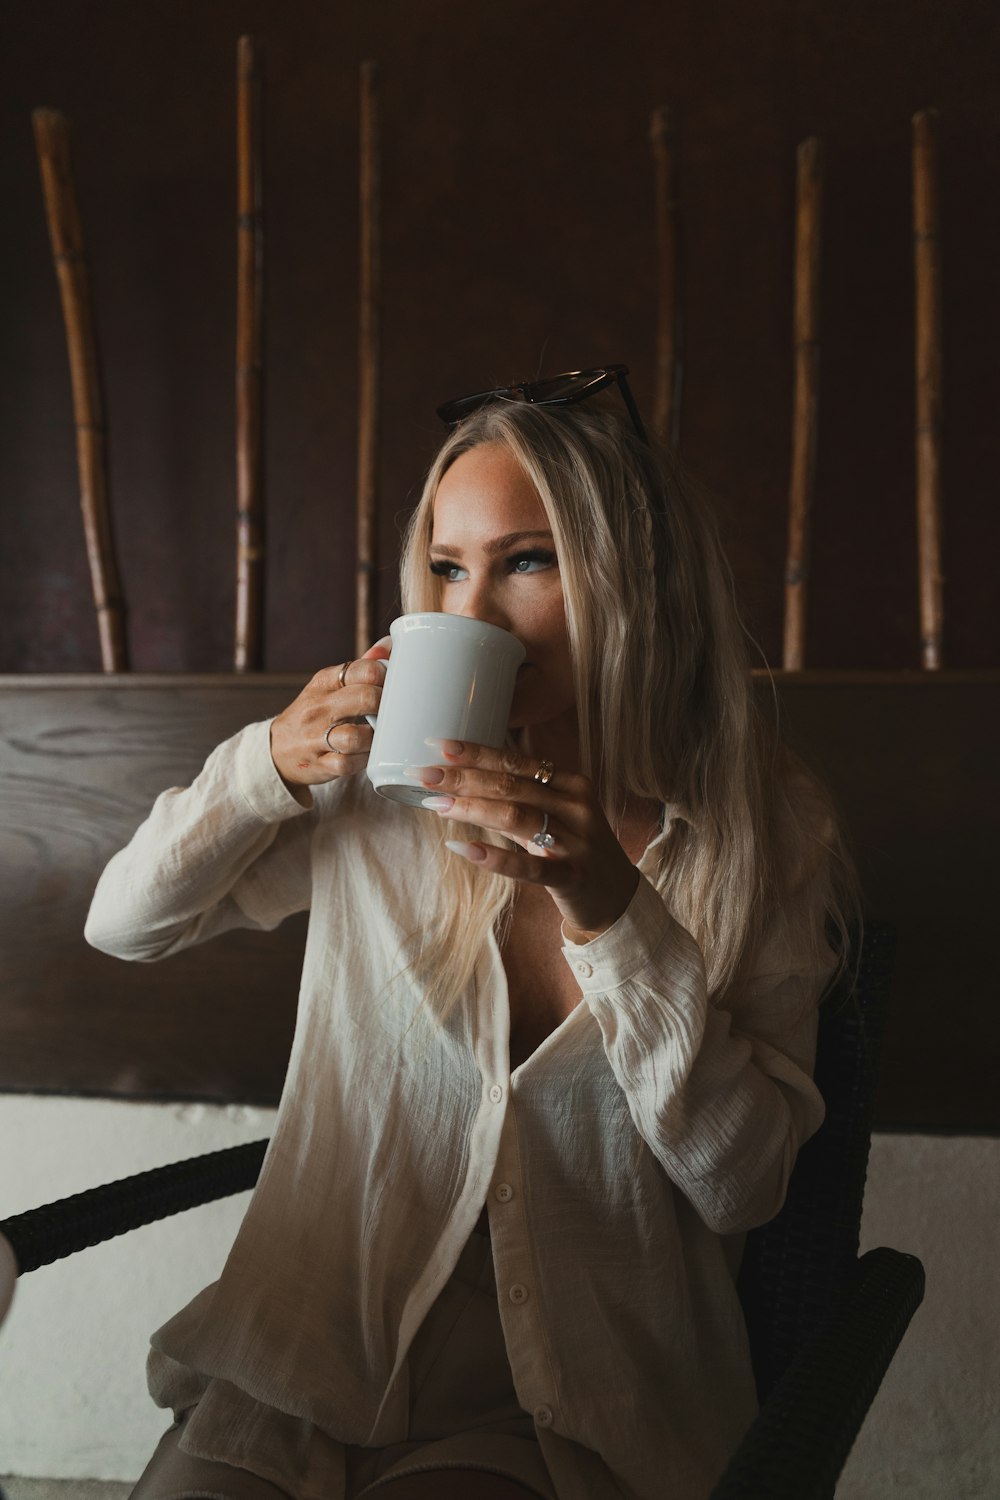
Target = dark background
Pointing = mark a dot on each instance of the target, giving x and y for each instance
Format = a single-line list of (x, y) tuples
[(518, 238), (518, 214), (910, 757)]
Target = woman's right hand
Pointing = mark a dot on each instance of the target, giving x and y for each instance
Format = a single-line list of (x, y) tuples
[(299, 747)]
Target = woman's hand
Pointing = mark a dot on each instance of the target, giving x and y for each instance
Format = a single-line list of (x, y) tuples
[(300, 749), (586, 871)]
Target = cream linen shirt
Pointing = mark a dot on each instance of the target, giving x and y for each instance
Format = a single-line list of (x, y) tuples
[(621, 1164)]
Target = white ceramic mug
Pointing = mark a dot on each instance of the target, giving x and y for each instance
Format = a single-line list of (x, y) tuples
[(449, 678)]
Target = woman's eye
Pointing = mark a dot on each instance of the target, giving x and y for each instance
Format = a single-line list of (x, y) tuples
[(518, 562), (445, 570), (543, 559)]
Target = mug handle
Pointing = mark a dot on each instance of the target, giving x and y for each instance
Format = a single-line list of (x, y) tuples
[(386, 645)]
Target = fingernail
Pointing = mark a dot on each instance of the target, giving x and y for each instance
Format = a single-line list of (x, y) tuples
[(429, 775), (447, 747), (439, 804), (475, 852)]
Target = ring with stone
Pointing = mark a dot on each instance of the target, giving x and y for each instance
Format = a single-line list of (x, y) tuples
[(543, 838), (545, 772)]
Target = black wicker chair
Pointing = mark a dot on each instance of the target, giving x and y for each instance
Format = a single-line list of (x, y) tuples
[(823, 1323)]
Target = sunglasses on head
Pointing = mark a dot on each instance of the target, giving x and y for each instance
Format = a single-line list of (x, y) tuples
[(558, 390)]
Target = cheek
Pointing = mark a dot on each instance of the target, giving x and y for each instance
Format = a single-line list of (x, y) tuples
[(559, 636), (541, 624), (552, 646)]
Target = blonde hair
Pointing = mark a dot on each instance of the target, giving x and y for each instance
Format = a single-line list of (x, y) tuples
[(665, 705)]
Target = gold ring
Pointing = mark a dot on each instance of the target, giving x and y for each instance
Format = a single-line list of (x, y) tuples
[(545, 772), (343, 674)]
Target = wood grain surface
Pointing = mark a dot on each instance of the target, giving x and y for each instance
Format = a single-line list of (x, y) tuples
[(911, 759), (81, 762)]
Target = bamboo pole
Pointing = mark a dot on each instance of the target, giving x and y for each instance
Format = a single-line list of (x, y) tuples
[(927, 269), (251, 520), (669, 370), (368, 358), (52, 140), (805, 409)]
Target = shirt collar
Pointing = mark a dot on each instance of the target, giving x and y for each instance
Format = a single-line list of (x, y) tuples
[(670, 813)]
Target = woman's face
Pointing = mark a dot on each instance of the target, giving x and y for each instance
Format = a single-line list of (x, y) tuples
[(492, 547)]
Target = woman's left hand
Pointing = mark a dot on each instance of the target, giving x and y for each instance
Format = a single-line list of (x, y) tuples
[(586, 871)]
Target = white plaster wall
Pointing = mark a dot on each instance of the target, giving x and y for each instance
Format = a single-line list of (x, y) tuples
[(72, 1352), (73, 1400), (933, 1429)]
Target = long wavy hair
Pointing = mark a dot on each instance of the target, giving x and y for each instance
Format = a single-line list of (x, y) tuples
[(665, 707)]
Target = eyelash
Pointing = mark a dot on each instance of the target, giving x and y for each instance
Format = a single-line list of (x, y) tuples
[(442, 567)]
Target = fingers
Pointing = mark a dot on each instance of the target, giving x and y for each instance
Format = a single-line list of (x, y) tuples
[(497, 789), (513, 820), (381, 650), (585, 869), (326, 700), (366, 670), (333, 765), (469, 757), (348, 738), (324, 734), (514, 865)]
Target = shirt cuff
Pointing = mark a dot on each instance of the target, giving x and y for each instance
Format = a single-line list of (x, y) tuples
[(628, 945), (258, 779)]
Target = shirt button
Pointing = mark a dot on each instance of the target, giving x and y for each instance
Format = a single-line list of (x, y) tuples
[(518, 1294), (543, 1416), (496, 1093), (504, 1192), (583, 968)]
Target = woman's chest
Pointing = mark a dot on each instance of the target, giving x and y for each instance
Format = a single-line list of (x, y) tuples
[(541, 988)]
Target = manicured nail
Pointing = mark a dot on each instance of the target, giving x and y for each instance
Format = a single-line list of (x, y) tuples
[(438, 804), (429, 775), (447, 747), (475, 852)]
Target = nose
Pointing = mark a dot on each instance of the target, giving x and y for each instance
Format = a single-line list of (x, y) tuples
[(480, 602)]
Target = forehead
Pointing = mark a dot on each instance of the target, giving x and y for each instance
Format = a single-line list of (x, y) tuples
[(485, 492)]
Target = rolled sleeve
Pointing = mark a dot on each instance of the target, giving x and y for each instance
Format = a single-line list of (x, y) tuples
[(230, 850), (621, 954), (722, 1108), (259, 781)]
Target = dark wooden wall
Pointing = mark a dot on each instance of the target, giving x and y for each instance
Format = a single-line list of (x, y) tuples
[(518, 237), (81, 760)]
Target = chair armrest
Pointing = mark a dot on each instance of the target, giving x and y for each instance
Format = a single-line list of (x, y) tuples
[(799, 1442), (58, 1229)]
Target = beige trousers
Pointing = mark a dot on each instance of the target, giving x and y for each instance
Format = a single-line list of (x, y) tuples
[(464, 1412)]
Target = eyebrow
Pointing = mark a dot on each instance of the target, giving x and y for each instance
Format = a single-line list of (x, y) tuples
[(499, 544)]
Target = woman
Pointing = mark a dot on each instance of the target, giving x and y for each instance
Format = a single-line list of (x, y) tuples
[(537, 1095)]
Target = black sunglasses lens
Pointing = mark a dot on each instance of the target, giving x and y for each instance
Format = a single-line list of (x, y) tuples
[(566, 387), (464, 406), (575, 385)]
